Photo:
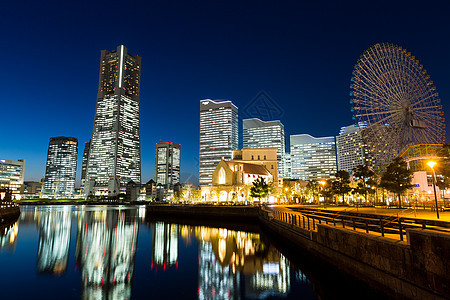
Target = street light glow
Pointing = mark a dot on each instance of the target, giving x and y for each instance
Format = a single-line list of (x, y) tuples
[(431, 164)]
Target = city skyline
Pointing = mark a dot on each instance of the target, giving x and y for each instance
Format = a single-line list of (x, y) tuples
[(299, 70)]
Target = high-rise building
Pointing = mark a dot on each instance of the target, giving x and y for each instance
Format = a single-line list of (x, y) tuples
[(287, 166), (351, 149), (11, 178), (313, 158), (61, 167), (115, 149), (218, 135), (84, 163), (261, 134), (167, 164)]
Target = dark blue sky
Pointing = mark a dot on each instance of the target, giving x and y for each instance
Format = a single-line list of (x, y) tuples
[(300, 54)]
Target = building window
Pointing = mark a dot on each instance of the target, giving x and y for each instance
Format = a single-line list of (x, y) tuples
[(221, 176), (272, 166), (253, 157), (264, 157), (259, 158)]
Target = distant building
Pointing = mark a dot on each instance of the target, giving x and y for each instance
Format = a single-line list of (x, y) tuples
[(115, 147), (84, 164), (265, 134), (287, 166), (32, 189), (61, 167), (313, 158), (11, 178), (218, 135), (167, 165), (351, 150)]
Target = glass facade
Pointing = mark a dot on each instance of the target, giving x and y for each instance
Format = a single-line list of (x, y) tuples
[(313, 158), (11, 175), (351, 150), (115, 151), (260, 134), (218, 135), (167, 164), (61, 167)]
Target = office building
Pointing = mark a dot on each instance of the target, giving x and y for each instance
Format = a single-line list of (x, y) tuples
[(351, 150), (84, 163), (313, 158), (218, 136), (11, 178), (61, 168), (115, 149), (287, 166), (261, 134), (167, 164)]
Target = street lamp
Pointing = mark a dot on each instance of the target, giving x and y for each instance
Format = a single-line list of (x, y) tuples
[(322, 183), (431, 164)]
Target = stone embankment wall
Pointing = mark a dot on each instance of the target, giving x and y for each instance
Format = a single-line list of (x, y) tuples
[(418, 269), (8, 211)]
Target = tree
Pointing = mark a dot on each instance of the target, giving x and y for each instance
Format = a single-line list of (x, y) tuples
[(341, 185), (313, 188), (260, 189), (365, 180), (397, 178)]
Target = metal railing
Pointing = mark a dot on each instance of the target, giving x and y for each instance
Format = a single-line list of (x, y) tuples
[(309, 218)]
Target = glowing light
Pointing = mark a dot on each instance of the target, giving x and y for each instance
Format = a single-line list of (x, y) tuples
[(431, 164), (121, 66)]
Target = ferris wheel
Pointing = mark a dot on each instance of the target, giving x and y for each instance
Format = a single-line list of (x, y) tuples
[(395, 102)]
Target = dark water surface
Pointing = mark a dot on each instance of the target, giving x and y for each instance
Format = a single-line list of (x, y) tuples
[(104, 252)]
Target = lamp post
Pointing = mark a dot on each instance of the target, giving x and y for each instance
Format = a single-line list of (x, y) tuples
[(431, 164), (322, 183)]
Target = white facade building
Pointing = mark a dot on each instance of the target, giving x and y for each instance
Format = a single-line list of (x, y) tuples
[(218, 136), (115, 149), (265, 134), (61, 168), (313, 158), (350, 148), (11, 177)]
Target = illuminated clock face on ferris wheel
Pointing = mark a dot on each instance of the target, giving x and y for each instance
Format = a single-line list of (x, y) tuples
[(395, 101)]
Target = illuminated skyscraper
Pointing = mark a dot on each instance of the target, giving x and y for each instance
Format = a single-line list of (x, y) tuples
[(11, 177), (84, 163), (115, 149), (351, 149), (261, 134), (167, 164), (61, 167), (218, 135), (313, 158)]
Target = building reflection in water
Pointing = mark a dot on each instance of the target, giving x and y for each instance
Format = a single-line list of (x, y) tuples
[(54, 241), (106, 251), (8, 237), (225, 254), (165, 245)]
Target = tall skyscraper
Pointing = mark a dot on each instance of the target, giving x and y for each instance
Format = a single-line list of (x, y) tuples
[(115, 149), (167, 164), (261, 134), (61, 167), (351, 149), (313, 158), (11, 178), (84, 163), (218, 135)]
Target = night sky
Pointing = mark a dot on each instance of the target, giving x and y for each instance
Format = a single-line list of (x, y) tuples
[(300, 55)]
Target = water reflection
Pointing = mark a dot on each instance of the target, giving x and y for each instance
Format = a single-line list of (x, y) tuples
[(165, 245), (225, 254), (54, 241), (106, 250), (231, 264), (8, 237)]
